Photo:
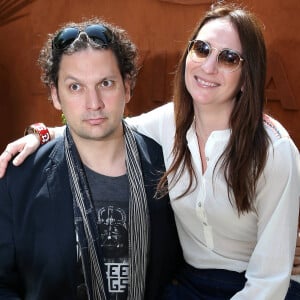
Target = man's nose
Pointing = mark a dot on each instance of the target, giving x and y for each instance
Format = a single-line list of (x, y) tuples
[(94, 100)]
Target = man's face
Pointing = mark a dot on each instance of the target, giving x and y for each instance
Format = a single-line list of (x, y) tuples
[(92, 94)]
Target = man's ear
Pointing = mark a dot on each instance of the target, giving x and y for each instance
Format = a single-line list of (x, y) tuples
[(55, 97), (128, 91)]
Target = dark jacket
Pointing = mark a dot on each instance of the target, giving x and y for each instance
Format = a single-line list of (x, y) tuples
[(37, 235)]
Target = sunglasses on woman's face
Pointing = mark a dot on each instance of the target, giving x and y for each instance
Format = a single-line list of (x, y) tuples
[(228, 60), (96, 32)]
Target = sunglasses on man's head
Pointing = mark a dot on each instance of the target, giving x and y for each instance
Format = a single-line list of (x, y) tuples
[(228, 60), (96, 32)]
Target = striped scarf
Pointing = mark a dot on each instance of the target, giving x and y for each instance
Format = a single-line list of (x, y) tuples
[(86, 223)]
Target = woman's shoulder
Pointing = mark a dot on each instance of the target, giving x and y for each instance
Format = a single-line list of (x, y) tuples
[(159, 116), (280, 141), (164, 111), (275, 129)]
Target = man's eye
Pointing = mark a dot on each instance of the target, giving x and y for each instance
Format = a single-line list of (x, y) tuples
[(75, 87), (107, 83)]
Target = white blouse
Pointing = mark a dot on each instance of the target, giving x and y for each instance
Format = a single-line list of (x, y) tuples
[(212, 235)]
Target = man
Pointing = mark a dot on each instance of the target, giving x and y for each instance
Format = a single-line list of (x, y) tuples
[(79, 219)]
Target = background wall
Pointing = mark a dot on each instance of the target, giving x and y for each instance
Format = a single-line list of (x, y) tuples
[(160, 28)]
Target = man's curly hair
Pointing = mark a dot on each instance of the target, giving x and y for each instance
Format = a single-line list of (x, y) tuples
[(123, 48)]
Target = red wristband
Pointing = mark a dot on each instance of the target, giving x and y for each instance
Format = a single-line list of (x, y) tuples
[(41, 130)]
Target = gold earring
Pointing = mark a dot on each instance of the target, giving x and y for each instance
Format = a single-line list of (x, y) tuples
[(63, 119)]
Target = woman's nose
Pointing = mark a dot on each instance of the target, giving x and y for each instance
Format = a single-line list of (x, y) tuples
[(210, 65)]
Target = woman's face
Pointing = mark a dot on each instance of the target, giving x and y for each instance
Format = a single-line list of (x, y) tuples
[(205, 81)]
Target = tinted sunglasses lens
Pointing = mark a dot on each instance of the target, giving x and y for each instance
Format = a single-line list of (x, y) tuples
[(64, 38), (199, 50), (229, 60), (99, 34)]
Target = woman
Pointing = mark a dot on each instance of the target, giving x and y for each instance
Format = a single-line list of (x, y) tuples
[(233, 172)]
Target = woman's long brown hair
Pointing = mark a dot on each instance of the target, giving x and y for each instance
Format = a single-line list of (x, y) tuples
[(244, 158)]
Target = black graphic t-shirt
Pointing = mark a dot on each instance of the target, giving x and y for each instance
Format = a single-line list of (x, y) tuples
[(111, 201)]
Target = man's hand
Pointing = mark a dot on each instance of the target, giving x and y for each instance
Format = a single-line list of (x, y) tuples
[(296, 268), (24, 146)]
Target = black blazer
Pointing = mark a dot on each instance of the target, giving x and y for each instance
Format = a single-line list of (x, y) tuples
[(37, 234)]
